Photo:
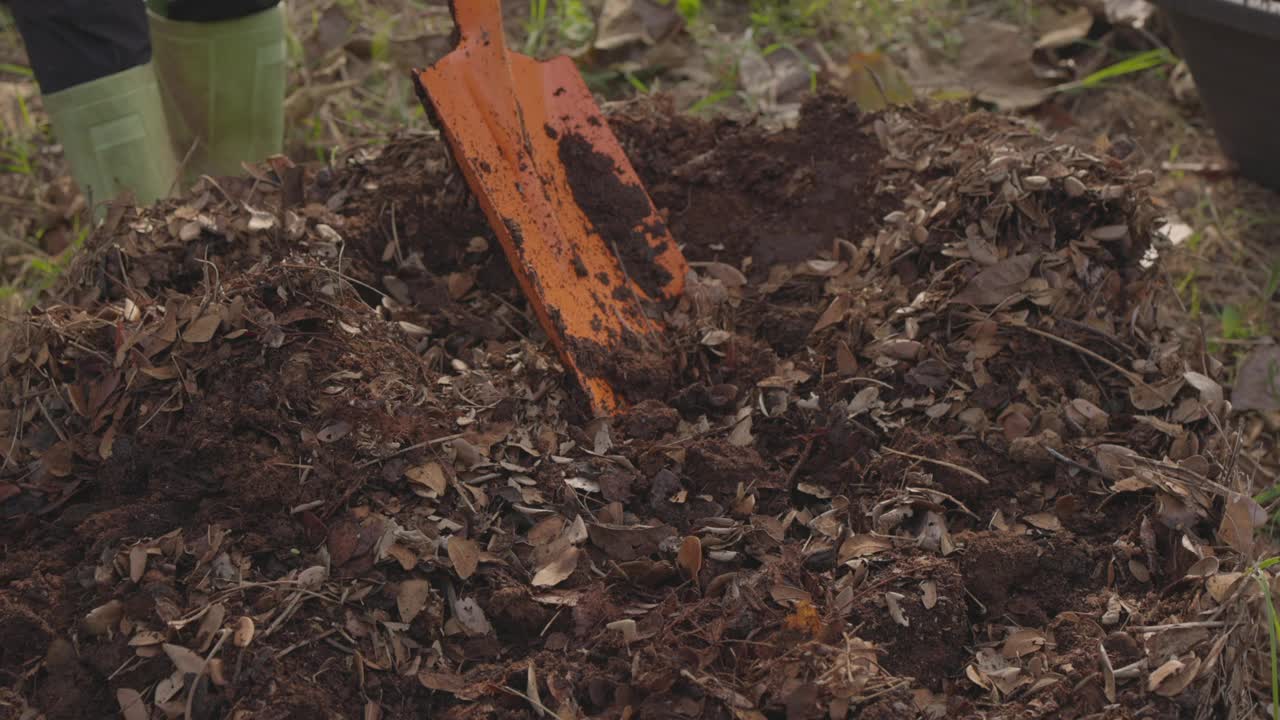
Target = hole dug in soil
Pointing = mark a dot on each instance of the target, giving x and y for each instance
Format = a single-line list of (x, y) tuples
[(292, 446)]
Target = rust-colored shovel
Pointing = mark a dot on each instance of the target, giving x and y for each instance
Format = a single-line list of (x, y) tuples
[(589, 249)]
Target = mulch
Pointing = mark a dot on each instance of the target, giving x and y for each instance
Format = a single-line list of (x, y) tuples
[(292, 445)]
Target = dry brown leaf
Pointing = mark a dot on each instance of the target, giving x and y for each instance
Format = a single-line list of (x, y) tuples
[(1115, 461), (741, 434), (444, 682), (1044, 521), (102, 619), (1258, 380), (1222, 585), (1108, 673), (202, 329), (1149, 397), (465, 556), (216, 672), (58, 459), (624, 543), (846, 362), (430, 475), (1171, 678), (334, 432), (689, 559), (184, 659), (1021, 643), (856, 546), (1110, 233), (1088, 416), (531, 689), (1240, 518), (407, 558), (714, 338), (558, 570), (142, 638), (994, 284), (873, 81), (472, 618), (729, 275), (627, 628), (546, 530), (259, 220), (1211, 394), (411, 598), (1203, 568), (137, 562), (834, 313), (1139, 571), (131, 704), (210, 624), (783, 594), (977, 678), (930, 590), (635, 22), (313, 576), (815, 490), (169, 687)]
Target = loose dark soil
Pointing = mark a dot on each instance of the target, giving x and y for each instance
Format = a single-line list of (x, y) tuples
[(346, 430), (735, 192)]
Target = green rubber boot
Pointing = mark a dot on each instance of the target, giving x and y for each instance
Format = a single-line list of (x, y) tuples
[(114, 135), (223, 85)]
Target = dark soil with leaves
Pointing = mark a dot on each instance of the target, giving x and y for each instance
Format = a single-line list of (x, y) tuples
[(292, 446)]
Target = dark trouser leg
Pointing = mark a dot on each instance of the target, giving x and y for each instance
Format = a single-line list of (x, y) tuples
[(74, 41), (209, 10)]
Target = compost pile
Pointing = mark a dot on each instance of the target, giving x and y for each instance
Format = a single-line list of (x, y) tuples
[(292, 446)]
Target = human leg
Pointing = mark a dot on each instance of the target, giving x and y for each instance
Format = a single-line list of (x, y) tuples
[(91, 60), (222, 74)]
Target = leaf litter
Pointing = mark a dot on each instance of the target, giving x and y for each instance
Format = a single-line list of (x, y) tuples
[(931, 449)]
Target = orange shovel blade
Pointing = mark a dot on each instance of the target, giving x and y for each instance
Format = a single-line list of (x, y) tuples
[(588, 247)]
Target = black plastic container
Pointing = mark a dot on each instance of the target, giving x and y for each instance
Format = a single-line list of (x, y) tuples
[(1232, 48)]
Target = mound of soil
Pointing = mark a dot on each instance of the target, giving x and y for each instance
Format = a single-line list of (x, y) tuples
[(293, 446)]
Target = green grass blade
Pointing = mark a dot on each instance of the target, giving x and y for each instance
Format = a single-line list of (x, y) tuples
[(1138, 63), (712, 99)]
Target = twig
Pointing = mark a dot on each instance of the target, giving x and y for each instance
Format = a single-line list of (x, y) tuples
[(1079, 466), (531, 701), (337, 273), (305, 506), (56, 429), (204, 668), (804, 457), (411, 448), (1131, 375), (1177, 626), (942, 463), (304, 643), (291, 606), (728, 696)]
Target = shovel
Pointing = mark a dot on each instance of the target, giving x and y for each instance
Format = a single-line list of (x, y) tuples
[(588, 247)]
